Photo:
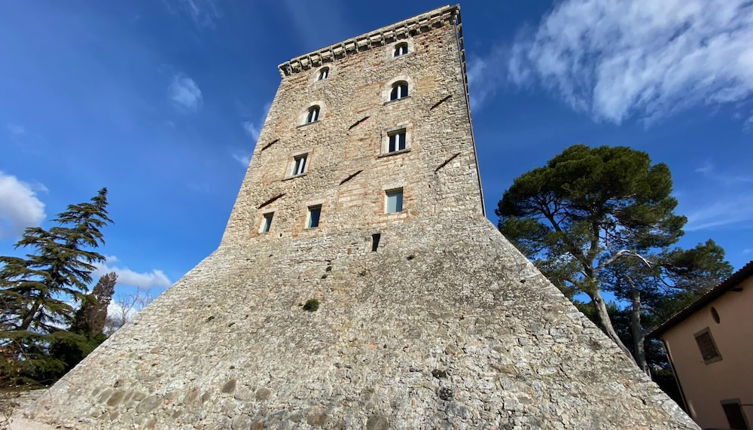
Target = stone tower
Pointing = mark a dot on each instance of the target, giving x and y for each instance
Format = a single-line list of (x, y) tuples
[(363, 197)]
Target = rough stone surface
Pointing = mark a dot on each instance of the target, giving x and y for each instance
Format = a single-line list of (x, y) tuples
[(445, 325)]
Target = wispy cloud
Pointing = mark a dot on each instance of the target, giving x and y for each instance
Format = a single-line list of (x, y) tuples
[(486, 75), (730, 211), (709, 171), (19, 206), (203, 13), (643, 58), (153, 279), (184, 93), (252, 128), (15, 129)]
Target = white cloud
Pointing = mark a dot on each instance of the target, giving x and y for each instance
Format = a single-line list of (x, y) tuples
[(251, 129), (485, 76), (731, 211), (245, 160), (646, 58), (184, 92), (203, 13), (126, 276), (709, 171), (15, 129), (19, 206)]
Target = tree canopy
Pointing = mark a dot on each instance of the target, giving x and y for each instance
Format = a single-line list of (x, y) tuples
[(39, 291), (603, 219)]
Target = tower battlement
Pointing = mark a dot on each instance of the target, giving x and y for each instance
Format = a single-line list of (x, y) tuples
[(356, 122)]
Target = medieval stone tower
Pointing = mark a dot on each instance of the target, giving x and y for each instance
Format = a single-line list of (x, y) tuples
[(363, 196)]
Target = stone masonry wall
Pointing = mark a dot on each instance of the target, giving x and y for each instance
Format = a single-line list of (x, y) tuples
[(357, 92), (444, 324)]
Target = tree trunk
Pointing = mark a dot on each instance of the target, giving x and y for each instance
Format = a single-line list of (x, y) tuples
[(606, 323), (29, 317), (637, 331)]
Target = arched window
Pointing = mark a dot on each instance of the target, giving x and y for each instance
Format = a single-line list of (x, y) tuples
[(399, 90), (401, 49), (313, 114), (323, 74)]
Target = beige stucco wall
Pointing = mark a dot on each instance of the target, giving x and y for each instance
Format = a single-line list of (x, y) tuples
[(706, 385)]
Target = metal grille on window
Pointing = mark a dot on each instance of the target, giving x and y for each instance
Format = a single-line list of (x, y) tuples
[(707, 346)]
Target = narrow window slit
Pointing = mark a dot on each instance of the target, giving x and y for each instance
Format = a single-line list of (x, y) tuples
[(375, 241), (440, 102), (355, 124), (446, 162), (350, 177), (270, 201), (270, 144)]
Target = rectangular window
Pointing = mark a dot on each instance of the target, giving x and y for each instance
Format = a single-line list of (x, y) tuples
[(734, 414), (266, 223), (312, 219), (706, 345), (393, 201), (396, 141), (299, 164)]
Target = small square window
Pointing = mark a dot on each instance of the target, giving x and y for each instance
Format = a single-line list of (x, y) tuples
[(397, 141), (707, 346), (266, 223), (299, 164), (393, 201), (312, 219), (400, 49)]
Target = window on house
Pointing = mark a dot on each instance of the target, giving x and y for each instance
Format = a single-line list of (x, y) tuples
[(393, 201), (399, 90), (313, 114), (266, 223), (299, 164), (400, 49), (323, 73), (734, 413), (396, 141), (706, 345), (312, 218)]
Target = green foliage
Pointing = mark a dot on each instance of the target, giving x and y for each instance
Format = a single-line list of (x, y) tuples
[(311, 305), (602, 219), (91, 317), (37, 292)]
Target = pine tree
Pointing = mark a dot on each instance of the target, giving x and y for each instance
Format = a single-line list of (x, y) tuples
[(586, 210), (91, 316), (37, 291)]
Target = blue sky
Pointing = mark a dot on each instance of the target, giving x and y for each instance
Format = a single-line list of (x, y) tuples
[(161, 102)]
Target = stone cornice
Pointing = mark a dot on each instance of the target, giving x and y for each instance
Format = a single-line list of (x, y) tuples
[(417, 24)]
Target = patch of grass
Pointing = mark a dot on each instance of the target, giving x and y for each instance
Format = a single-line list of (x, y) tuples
[(311, 305)]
